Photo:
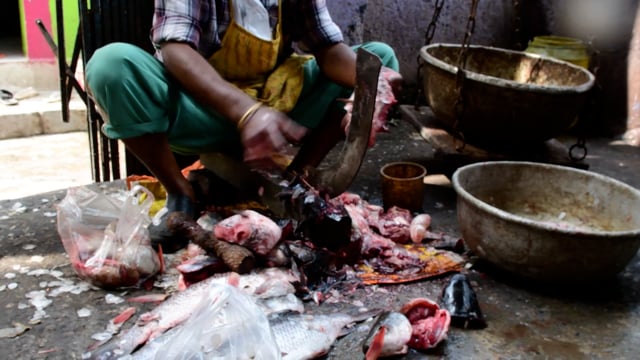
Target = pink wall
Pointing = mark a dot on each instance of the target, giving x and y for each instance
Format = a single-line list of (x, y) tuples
[(36, 46)]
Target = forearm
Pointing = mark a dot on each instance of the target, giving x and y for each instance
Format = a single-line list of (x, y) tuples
[(338, 63), (633, 77), (203, 82)]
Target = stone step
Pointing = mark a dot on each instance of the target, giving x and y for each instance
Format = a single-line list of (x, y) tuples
[(40, 114), (22, 73)]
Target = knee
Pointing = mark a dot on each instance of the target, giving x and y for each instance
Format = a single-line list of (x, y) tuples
[(106, 67), (385, 52)]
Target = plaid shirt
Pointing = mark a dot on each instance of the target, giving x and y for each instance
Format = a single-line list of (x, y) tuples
[(202, 23)]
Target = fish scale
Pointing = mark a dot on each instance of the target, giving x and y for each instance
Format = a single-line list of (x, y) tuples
[(309, 336)]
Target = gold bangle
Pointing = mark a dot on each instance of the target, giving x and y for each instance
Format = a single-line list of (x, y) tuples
[(247, 114)]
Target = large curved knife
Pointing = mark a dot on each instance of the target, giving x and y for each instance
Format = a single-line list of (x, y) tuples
[(336, 178)]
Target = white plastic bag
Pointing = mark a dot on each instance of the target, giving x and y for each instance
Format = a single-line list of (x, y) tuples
[(106, 238), (226, 324)]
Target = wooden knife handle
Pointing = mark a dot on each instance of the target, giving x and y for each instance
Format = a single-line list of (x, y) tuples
[(236, 257)]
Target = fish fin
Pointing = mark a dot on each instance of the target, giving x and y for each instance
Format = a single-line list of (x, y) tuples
[(233, 279), (359, 316), (149, 298), (124, 316), (182, 284), (376, 344), (161, 258)]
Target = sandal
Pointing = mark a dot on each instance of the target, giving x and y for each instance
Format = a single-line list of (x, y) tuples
[(6, 97)]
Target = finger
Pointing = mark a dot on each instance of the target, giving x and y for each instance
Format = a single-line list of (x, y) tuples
[(292, 131), (264, 144), (277, 138)]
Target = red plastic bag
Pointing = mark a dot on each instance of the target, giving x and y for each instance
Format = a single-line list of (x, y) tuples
[(106, 238)]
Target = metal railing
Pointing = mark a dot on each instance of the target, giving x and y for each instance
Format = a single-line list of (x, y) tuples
[(101, 22)]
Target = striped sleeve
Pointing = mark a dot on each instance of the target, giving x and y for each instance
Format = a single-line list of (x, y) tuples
[(177, 20), (317, 28)]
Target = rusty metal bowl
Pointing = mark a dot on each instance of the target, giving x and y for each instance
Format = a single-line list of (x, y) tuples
[(545, 222), (511, 99)]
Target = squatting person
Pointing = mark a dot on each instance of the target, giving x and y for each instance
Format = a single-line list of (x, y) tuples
[(225, 78)]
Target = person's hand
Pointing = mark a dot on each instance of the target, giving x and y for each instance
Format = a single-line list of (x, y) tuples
[(266, 132)]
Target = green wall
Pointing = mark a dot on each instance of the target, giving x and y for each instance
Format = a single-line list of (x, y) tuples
[(71, 22), (23, 28)]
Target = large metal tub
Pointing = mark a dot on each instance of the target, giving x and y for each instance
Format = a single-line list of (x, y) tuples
[(547, 222), (511, 99)]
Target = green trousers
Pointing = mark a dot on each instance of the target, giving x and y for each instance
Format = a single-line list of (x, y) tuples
[(137, 96)]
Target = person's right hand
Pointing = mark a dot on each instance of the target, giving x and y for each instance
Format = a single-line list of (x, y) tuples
[(266, 132)]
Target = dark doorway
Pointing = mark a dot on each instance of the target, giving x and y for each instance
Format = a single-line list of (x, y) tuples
[(10, 31)]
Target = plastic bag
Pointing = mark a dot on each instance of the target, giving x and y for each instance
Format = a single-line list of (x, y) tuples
[(226, 324), (106, 238)]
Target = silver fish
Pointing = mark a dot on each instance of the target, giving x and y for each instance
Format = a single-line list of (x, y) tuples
[(179, 307), (286, 336), (389, 336), (228, 325), (286, 303), (303, 336)]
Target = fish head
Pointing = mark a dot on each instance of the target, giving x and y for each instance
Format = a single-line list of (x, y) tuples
[(459, 298), (389, 336), (235, 228), (430, 323)]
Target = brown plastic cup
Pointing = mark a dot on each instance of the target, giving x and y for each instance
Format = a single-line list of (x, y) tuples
[(403, 185)]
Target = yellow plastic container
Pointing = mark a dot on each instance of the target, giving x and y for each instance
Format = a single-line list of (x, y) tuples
[(562, 48)]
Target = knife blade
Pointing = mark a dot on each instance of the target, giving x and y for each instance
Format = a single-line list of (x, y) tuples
[(336, 178), (249, 182)]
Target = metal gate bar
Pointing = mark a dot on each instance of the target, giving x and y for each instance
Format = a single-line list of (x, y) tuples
[(101, 22)]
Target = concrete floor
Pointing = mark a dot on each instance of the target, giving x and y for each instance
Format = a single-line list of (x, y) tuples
[(39, 290), (38, 164)]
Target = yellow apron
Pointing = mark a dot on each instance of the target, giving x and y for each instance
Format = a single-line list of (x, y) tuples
[(251, 63)]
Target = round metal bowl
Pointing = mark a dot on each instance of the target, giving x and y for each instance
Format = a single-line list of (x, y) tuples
[(511, 99), (547, 222)]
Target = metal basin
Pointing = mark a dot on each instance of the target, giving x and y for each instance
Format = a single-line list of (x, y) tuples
[(547, 222), (511, 99)]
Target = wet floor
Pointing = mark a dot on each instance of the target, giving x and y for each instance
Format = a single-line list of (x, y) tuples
[(526, 321)]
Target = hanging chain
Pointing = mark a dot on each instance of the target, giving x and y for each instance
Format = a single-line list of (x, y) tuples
[(431, 29), (517, 25), (581, 141), (428, 37), (461, 74), (471, 26)]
